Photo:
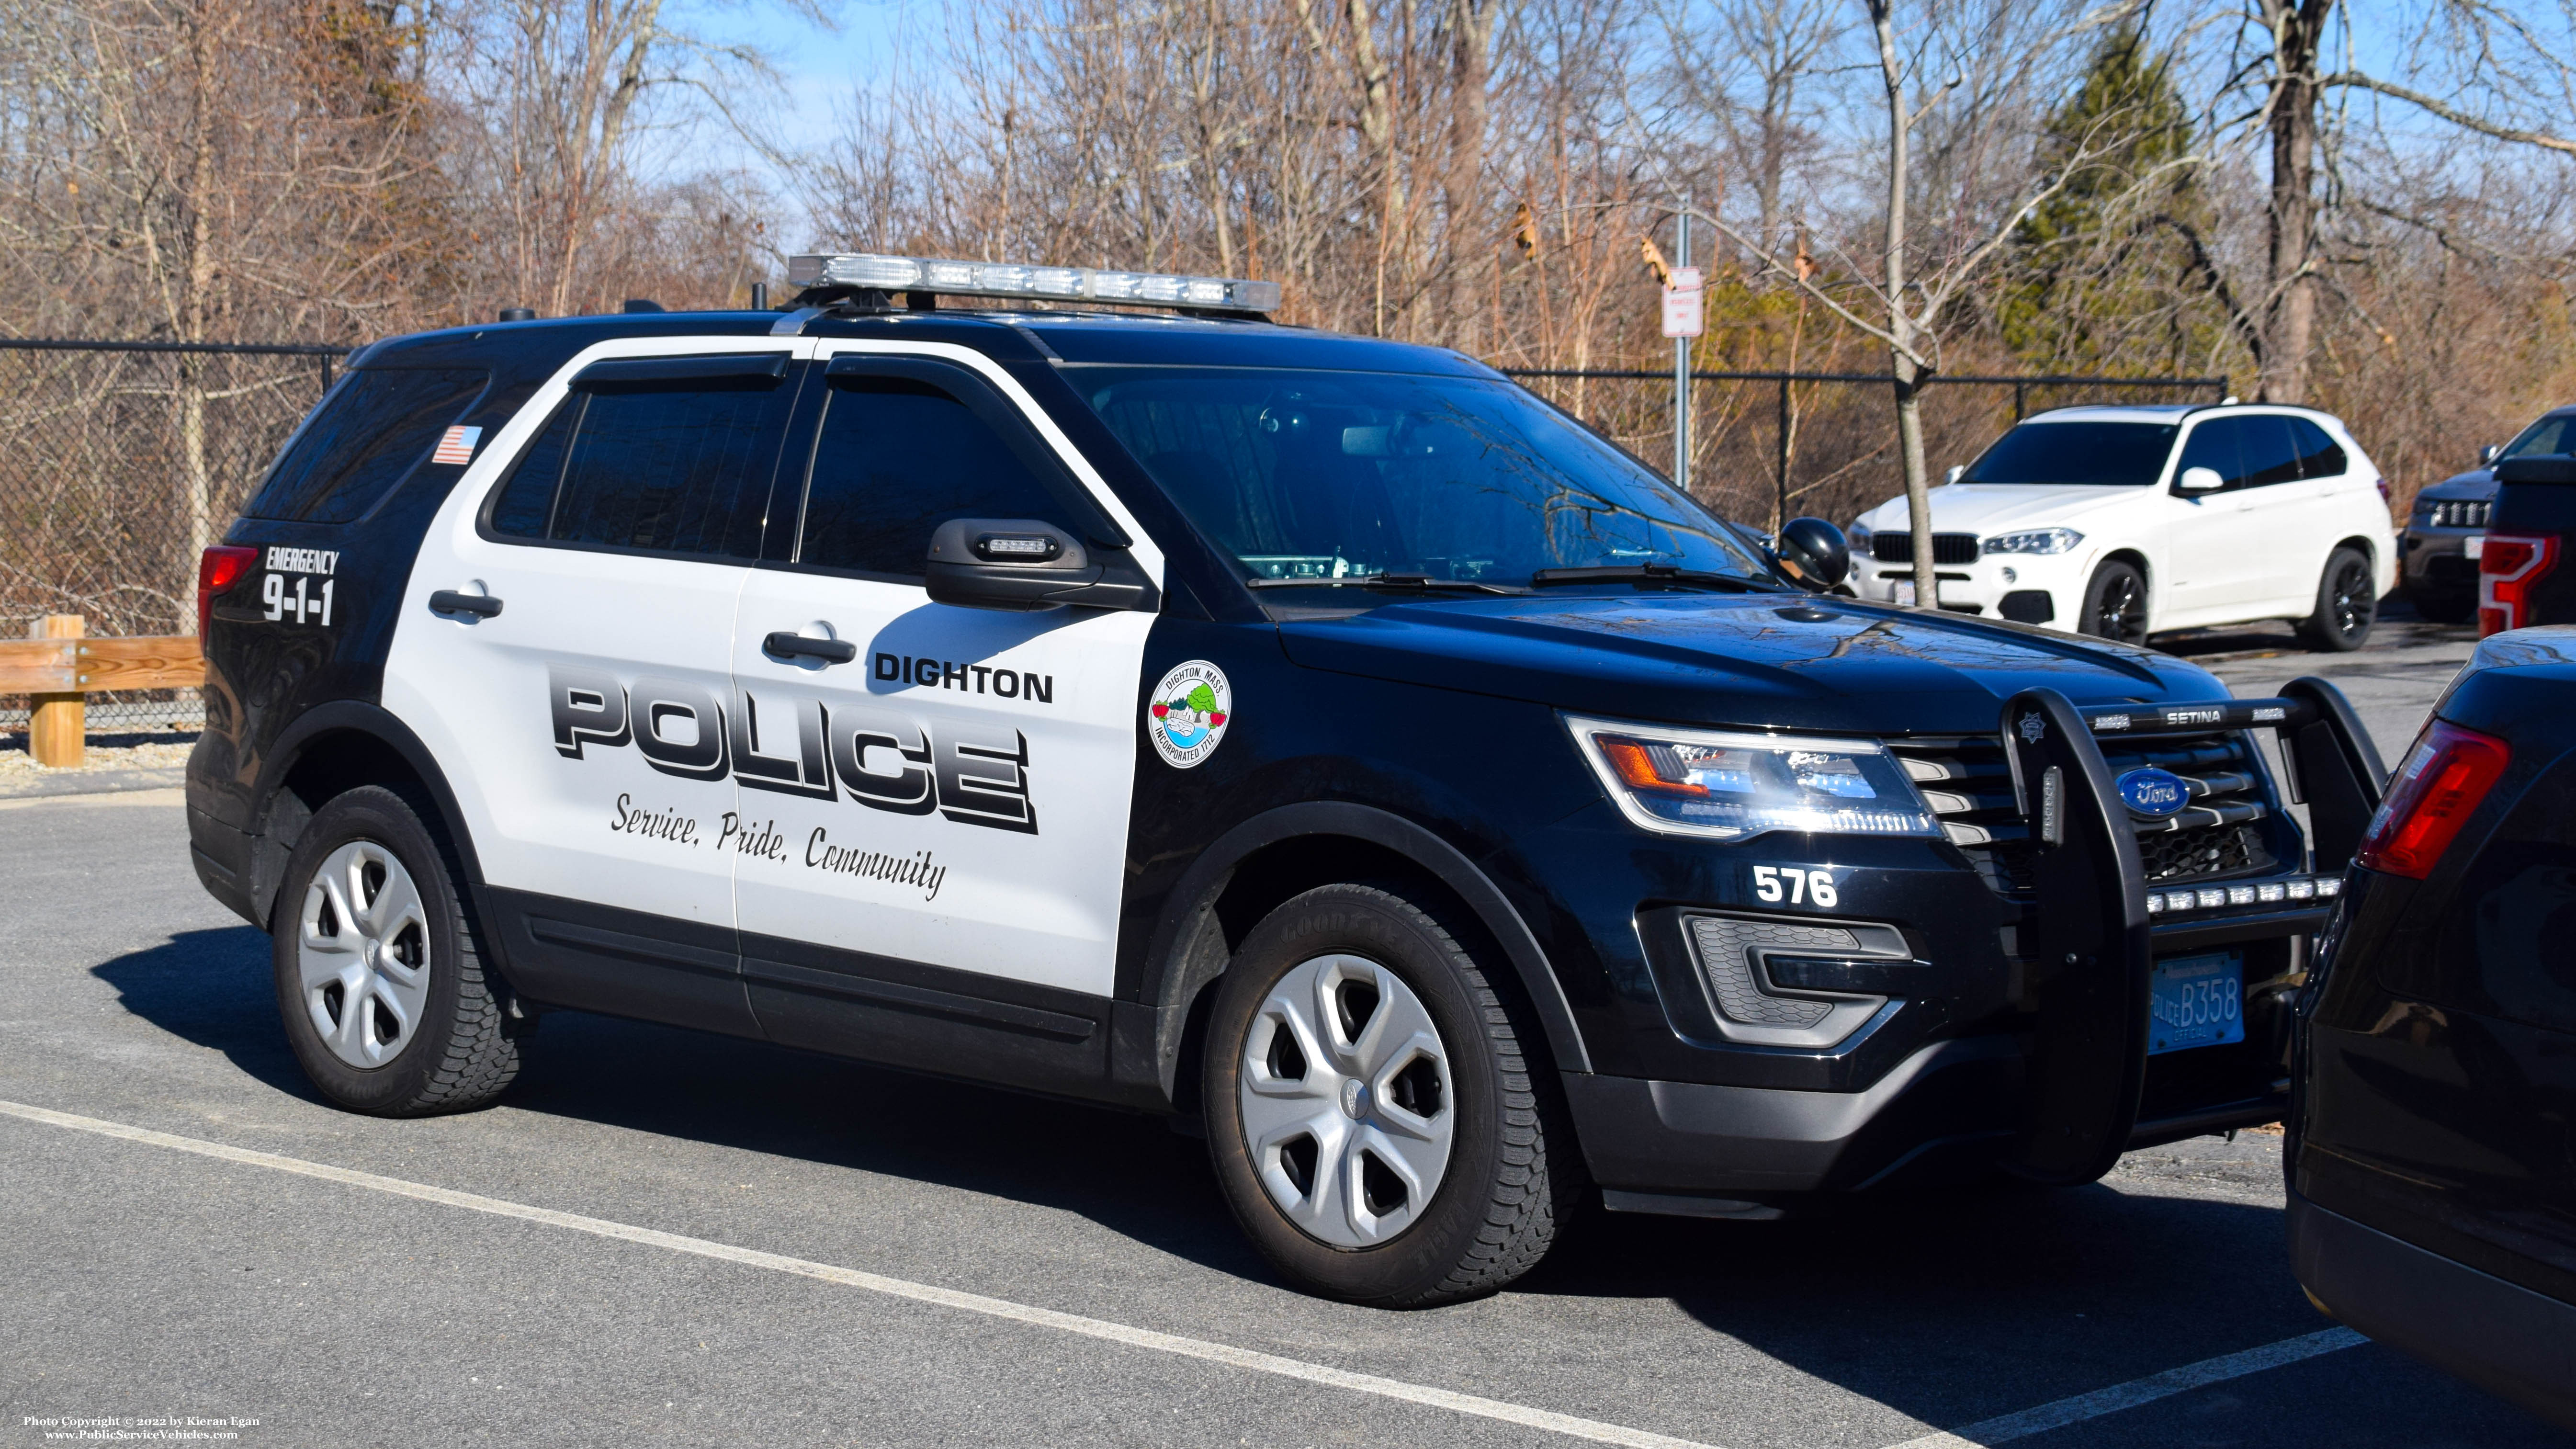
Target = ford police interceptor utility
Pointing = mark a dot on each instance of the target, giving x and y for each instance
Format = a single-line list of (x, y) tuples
[(1321, 739)]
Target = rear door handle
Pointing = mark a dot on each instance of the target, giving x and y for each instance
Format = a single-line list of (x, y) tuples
[(448, 601), (785, 645)]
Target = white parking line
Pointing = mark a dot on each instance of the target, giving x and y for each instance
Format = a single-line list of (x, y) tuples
[(2137, 1391), (1232, 1357)]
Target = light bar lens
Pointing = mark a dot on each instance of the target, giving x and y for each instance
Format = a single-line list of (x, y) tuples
[(1005, 279), (1734, 787)]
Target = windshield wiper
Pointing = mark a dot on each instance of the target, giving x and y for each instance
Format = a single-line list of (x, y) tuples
[(1416, 583), (1646, 574)]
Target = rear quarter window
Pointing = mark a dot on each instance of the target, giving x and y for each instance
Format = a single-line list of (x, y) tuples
[(371, 432)]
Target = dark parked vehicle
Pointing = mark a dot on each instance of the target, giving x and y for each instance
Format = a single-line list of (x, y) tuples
[(2432, 1147), (2445, 530), (2520, 582)]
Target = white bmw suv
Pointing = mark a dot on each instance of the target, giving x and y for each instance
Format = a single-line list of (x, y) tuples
[(2113, 521)]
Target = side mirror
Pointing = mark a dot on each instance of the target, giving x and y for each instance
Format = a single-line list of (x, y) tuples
[(1023, 564), (1813, 552), (2200, 480), (2488, 454), (1957, 471)]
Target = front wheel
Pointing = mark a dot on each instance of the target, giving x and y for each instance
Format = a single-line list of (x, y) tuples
[(1373, 1114), (2347, 604), (2115, 604)]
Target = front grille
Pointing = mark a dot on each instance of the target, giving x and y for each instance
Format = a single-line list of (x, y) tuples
[(1967, 782), (2460, 513), (1947, 548)]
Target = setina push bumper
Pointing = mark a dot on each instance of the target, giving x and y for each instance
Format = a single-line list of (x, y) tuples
[(2137, 1001), (2162, 1014)]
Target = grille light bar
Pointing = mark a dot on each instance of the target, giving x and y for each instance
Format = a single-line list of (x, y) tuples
[(1008, 279), (2271, 892)]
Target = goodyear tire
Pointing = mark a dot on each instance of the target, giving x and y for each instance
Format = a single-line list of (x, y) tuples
[(379, 983), (1377, 1123)]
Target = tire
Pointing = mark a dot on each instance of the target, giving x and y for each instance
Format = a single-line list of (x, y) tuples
[(1441, 1187), (2115, 604), (369, 908), (2347, 604)]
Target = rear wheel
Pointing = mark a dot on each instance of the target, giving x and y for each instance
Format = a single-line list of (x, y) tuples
[(2115, 604), (1373, 1115), (379, 983), (2347, 604)]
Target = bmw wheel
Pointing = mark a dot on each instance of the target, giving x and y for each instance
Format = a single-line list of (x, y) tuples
[(382, 991), (2115, 604), (2347, 604), (1379, 1128)]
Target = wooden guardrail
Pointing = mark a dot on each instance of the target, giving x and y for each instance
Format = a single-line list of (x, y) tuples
[(58, 665)]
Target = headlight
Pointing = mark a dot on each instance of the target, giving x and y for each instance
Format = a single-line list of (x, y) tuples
[(1858, 537), (2037, 540), (1736, 786)]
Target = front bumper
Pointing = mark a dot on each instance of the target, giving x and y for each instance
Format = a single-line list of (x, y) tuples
[(2437, 559), (2046, 589), (2501, 1336)]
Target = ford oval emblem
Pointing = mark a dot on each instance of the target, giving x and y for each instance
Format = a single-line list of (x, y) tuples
[(2154, 793)]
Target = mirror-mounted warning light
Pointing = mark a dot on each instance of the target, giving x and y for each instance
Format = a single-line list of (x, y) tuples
[(1005, 279)]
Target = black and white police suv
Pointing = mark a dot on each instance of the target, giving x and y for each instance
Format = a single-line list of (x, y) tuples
[(1322, 739)]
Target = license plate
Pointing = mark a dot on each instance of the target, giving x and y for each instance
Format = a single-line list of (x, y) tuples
[(2473, 545), (2198, 1001), (1901, 592)]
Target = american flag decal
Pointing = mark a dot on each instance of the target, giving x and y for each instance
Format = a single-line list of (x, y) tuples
[(457, 447)]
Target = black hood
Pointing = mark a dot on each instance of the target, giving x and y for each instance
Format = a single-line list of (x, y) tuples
[(1755, 660)]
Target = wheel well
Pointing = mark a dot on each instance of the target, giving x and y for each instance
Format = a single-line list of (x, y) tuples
[(2135, 560), (2359, 545), (327, 765), (1275, 874)]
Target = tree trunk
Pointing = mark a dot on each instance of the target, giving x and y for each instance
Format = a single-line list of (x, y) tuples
[(1900, 324), (2290, 295)]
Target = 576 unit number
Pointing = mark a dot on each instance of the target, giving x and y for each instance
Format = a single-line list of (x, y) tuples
[(1798, 885)]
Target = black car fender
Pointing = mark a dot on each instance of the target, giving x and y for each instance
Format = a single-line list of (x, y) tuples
[(279, 813), (1190, 949)]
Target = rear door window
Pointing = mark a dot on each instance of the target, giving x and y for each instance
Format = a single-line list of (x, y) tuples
[(674, 465), (2246, 452), (373, 430)]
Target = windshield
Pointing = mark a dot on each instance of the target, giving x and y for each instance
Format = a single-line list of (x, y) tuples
[(1333, 475), (2549, 435), (2121, 455)]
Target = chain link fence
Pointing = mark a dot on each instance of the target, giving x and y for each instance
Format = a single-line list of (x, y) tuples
[(119, 461), (1771, 446)]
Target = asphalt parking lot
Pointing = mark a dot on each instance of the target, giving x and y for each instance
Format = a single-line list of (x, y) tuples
[(664, 1237)]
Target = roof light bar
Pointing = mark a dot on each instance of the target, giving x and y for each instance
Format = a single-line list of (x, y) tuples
[(1006, 279)]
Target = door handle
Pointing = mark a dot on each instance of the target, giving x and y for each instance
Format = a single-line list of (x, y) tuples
[(448, 601), (788, 646)]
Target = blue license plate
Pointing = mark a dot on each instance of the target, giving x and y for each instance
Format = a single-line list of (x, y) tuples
[(2198, 1001)]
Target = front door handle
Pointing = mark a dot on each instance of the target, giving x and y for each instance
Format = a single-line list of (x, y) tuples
[(448, 601), (785, 645)]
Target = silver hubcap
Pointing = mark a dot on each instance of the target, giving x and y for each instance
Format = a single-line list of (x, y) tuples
[(362, 951), (1346, 1099)]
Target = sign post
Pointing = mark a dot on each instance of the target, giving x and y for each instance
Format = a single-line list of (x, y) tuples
[(1682, 322)]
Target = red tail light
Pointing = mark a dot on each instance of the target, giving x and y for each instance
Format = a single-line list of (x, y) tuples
[(219, 569), (2445, 777), (2509, 566)]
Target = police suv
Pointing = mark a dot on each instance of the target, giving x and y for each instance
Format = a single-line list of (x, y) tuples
[(1322, 740)]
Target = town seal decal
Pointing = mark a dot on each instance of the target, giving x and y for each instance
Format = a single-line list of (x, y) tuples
[(1186, 714)]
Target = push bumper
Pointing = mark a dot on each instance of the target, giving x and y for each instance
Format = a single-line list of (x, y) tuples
[(2506, 1339)]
